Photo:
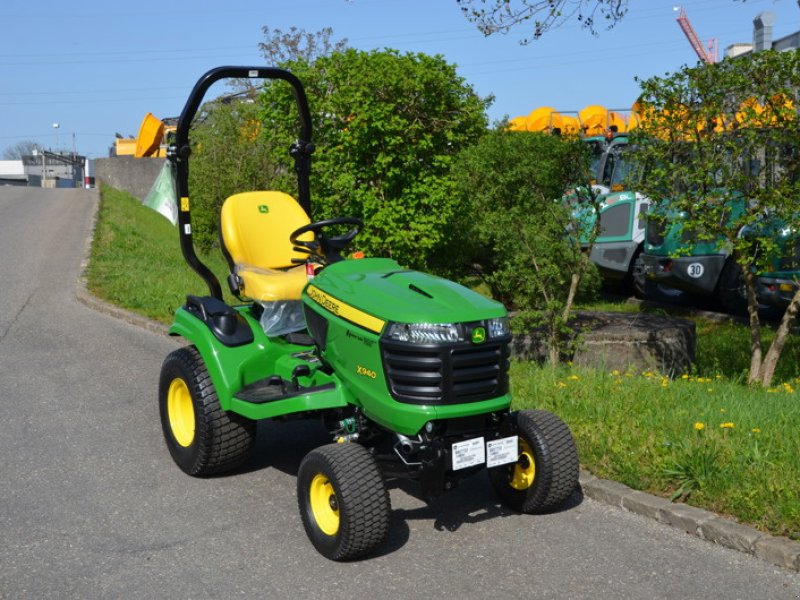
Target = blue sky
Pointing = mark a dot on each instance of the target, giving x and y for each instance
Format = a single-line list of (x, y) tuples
[(96, 67)]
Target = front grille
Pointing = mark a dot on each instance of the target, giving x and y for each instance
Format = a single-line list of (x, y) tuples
[(452, 374)]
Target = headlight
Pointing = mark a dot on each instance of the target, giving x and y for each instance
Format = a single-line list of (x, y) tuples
[(424, 333), (498, 327)]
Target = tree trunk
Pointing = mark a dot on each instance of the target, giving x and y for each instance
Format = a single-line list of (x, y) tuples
[(755, 325), (554, 346), (776, 347), (573, 291)]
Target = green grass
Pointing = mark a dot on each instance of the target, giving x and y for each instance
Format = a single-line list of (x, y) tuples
[(136, 261), (711, 442), (636, 428)]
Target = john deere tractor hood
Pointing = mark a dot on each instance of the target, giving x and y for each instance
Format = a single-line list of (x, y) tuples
[(384, 289)]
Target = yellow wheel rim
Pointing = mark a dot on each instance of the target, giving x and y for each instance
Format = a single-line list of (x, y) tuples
[(324, 504), (180, 412), (525, 469)]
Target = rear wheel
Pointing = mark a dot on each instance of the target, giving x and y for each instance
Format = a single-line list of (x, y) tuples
[(202, 438), (732, 294), (343, 501), (546, 472)]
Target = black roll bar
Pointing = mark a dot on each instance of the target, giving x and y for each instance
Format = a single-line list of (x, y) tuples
[(180, 151)]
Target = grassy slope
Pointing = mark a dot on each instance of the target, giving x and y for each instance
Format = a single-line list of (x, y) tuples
[(136, 261), (636, 428)]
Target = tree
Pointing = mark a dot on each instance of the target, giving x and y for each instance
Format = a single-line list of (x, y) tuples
[(18, 150), (514, 233), (230, 154), (280, 46), (500, 16), (230, 149), (387, 127), (720, 143)]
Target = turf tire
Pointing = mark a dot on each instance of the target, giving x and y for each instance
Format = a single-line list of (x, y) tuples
[(361, 500), (555, 463), (221, 440)]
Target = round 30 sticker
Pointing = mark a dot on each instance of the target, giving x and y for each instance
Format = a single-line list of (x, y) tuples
[(695, 270)]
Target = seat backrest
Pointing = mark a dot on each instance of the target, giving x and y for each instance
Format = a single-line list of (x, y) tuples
[(256, 227)]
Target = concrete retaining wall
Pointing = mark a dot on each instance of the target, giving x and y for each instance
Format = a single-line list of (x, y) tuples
[(133, 175)]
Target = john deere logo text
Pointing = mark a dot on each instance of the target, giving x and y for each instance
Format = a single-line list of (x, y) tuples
[(323, 300), (478, 335), (263, 208), (365, 372)]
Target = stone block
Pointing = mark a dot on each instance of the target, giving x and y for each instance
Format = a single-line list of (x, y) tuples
[(779, 551), (620, 341), (730, 534)]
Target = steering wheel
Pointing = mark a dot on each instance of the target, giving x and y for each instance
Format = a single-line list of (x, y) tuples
[(328, 249)]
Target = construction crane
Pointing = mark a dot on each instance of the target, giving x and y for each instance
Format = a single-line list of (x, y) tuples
[(708, 56)]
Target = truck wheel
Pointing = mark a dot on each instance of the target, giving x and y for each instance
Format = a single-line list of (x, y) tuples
[(202, 438), (546, 473), (343, 501), (638, 282), (732, 295)]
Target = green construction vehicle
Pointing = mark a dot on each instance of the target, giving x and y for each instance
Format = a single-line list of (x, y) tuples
[(617, 243), (408, 372)]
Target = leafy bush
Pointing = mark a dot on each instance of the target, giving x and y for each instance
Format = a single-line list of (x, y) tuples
[(512, 231), (387, 127), (230, 154)]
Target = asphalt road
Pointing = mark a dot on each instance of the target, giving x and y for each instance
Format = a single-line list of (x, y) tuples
[(91, 505)]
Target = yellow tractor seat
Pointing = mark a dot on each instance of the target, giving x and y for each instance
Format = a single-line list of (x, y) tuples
[(255, 229)]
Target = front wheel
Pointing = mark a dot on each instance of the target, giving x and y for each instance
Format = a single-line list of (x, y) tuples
[(546, 472), (343, 501)]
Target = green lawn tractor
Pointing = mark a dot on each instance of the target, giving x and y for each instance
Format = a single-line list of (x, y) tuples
[(408, 372)]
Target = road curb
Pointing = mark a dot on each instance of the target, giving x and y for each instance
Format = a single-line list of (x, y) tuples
[(698, 522), (85, 297)]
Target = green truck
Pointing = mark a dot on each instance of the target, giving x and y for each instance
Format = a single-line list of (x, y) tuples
[(675, 257)]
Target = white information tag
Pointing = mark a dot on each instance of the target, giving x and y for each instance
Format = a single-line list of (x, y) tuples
[(468, 453), (502, 451)]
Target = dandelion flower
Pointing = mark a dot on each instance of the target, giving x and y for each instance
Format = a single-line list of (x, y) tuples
[(615, 372), (727, 425), (684, 376), (755, 430), (573, 377), (699, 426)]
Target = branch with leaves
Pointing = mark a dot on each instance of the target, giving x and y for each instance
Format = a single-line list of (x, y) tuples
[(501, 16)]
